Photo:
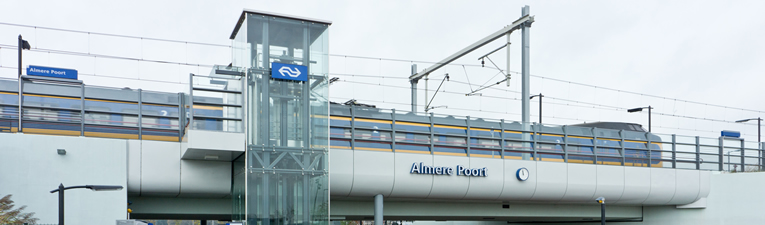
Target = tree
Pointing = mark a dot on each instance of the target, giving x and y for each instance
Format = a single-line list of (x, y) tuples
[(8, 215)]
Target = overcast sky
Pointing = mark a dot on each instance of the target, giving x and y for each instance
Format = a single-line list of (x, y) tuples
[(698, 51)]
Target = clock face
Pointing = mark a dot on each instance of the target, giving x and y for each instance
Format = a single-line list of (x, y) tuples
[(522, 174)]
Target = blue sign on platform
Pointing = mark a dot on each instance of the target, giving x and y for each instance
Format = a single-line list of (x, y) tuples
[(52, 72), (289, 71)]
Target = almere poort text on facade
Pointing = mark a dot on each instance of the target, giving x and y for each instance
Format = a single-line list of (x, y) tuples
[(439, 170)]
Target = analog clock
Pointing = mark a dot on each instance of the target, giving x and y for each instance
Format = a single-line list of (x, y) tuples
[(522, 174)]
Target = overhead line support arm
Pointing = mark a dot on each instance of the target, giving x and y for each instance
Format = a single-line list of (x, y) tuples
[(516, 25)]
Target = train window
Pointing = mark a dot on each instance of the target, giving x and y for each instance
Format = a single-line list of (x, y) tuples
[(579, 149), (159, 110), (372, 134), (49, 101), (450, 140), (609, 143), (549, 147), (418, 138), (485, 143), (111, 106), (339, 132), (159, 122)]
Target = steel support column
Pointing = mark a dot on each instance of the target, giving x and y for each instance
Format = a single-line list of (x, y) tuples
[(378, 209)]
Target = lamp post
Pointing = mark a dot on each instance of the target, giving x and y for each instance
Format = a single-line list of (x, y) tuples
[(540, 105), (759, 142), (23, 44), (61, 189), (602, 202), (649, 114)]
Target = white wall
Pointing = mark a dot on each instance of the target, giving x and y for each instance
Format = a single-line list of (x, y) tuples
[(737, 198), (30, 168), (362, 173)]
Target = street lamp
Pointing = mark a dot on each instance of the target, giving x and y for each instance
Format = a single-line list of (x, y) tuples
[(61, 189), (649, 114), (759, 142), (23, 44), (540, 105), (602, 202), (758, 126)]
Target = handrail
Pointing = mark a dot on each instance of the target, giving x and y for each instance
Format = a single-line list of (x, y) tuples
[(653, 150)]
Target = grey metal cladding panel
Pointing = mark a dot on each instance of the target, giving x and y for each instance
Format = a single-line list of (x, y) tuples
[(687, 187), (61, 90), (406, 184), (162, 98), (608, 133), (637, 185), (633, 135), (610, 182), (372, 173), (205, 178), (582, 182), (160, 168), (490, 186), (552, 179), (579, 131), (340, 171), (514, 189), (449, 120), (662, 186), (9, 85), (550, 129), (134, 167), (411, 117), (128, 95), (484, 124), (446, 186)]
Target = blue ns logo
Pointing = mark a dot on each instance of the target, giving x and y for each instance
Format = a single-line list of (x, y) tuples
[(289, 72), (286, 71)]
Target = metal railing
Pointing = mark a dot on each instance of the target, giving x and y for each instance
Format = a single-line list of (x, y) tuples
[(76, 110), (364, 128)]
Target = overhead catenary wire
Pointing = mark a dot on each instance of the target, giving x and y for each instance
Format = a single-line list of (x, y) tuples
[(594, 106), (508, 113), (374, 58)]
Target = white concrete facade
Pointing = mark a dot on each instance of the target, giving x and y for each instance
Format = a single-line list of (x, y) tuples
[(31, 168), (388, 173)]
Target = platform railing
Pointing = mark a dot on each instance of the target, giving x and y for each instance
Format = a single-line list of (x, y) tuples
[(74, 109), (388, 130)]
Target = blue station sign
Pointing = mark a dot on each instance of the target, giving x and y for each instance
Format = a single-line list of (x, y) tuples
[(289, 72), (52, 72)]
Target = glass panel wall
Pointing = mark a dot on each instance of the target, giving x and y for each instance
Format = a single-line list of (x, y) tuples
[(287, 121)]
